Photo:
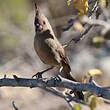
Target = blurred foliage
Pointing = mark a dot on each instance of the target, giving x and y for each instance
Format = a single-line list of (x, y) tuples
[(8, 45), (103, 3), (68, 2), (14, 10), (78, 26), (77, 107), (94, 72), (86, 96), (13, 17), (80, 5), (97, 41), (9, 42), (93, 102)]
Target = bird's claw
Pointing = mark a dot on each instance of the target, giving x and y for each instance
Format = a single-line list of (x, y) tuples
[(71, 92), (38, 75)]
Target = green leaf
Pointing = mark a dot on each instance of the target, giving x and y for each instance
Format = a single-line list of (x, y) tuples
[(93, 102), (103, 3), (77, 107), (69, 2), (86, 96)]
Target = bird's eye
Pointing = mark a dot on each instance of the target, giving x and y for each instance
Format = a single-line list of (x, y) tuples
[(37, 25), (44, 22), (36, 22)]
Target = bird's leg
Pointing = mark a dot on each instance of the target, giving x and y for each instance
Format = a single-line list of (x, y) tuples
[(39, 74)]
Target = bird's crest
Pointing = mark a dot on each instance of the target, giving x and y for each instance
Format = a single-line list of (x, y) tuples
[(37, 8)]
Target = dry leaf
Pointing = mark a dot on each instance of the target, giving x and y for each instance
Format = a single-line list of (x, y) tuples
[(78, 26), (94, 72), (81, 6)]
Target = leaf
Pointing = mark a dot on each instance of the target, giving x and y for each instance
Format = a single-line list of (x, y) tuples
[(94, 72), (68, 2), (93, 102), (103, 3), (86, 96), (77, 107), (78, 26), (97, 41), (81, 6)]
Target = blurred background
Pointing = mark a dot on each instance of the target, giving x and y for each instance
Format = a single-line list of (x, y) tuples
[(17, 55)]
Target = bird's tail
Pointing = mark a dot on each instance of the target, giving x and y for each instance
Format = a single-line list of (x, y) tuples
[(66, 72)]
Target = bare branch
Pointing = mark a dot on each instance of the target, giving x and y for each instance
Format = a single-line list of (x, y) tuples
[(56, 82), (68, 97), (85, 19), (80, 37)]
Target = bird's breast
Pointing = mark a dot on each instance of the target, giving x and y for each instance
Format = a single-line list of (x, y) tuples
[(45, 53)]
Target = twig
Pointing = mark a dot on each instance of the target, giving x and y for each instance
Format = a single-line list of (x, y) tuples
[(89, 14), (80, 37), (66, 96), (59, 94), (14, 106)]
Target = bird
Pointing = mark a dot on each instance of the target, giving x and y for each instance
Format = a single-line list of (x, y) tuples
[(49, 49)]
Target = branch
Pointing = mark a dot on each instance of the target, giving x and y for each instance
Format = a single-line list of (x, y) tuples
[(96, 9), (78, 38), (60, 94), (55, 82), (67, 97), (85, 19)]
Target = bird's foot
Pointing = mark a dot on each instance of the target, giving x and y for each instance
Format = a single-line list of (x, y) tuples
[(38, 75), (66, 91), (71, 92)]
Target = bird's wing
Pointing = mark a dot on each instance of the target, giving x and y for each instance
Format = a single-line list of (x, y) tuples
[(62, 58)]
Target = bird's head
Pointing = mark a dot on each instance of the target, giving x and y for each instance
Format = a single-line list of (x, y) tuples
[(39, 20)]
